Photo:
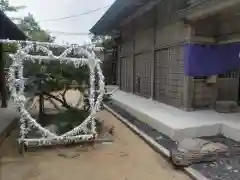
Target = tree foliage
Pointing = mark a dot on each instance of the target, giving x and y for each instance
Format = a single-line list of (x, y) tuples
[(44, 78), (33, 30), (102, 41), (6, 7), (27, 24)]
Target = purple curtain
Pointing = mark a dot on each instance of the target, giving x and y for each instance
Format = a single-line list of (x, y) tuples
[(207, 60)]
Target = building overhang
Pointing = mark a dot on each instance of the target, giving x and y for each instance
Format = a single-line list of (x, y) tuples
[(205, 8), (122, 12), (9, 30), (111, 20)]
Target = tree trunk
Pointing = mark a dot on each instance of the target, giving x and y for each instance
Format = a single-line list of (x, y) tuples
[(64, 103), (41, 108)]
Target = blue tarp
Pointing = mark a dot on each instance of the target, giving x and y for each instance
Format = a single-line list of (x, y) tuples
[(207, 60)]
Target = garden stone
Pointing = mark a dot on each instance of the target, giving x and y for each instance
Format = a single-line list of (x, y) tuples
[(192, 144), (200, 145), (211, 147), (195, 150)]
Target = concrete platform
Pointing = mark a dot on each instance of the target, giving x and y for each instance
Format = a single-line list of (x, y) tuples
[(8, 120), (176, 123)]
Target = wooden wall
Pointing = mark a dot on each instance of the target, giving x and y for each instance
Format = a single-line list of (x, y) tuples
[(126, 60), (215, 30), (142, 75), (152, 54), (229, 32), (152, 45), (126, 74), (169, 76)]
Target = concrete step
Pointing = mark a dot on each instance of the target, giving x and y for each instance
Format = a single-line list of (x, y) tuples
[(178, 124)]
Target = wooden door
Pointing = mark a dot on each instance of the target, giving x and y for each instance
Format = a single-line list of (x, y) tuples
[(142, 75), (161, 76), (228, 86), (126, 74)]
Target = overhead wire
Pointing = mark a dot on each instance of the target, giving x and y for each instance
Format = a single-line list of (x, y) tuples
[(69, 33), (74, 15)]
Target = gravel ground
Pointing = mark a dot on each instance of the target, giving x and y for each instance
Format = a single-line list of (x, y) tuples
[(127, 158), (221, 169)]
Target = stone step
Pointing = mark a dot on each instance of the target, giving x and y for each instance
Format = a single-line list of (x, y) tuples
[(196, 150)]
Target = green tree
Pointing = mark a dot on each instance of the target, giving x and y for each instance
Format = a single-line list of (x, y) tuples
[(33, 30), (44, 78), (6, 7), (103, 41), (27, 24)]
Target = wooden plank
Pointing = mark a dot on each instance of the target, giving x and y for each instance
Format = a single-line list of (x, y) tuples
[(153, 74), (140, 11), (206, 8), (133, 57), (188, 93), (188, 90), (2, 79)]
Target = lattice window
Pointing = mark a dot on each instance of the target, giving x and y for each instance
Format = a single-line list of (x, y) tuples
[(230, 74)]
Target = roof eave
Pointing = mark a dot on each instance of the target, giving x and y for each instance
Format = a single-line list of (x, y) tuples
[(9, 30), (205, 8), (114, 15)]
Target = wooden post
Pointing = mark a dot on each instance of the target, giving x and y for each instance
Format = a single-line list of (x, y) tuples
[(155, 17), (119, 68), (133, 57), (2, 79), (2, 65), (188, 93), (188, 82)]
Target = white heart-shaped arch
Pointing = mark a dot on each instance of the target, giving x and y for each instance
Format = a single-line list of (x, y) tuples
[(17, 84)]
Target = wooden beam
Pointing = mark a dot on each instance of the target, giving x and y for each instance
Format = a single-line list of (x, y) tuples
[(206, 8), (118, 67), (230, 38), (141, 11)]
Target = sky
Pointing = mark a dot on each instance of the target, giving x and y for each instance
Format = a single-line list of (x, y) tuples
[(46, 10)]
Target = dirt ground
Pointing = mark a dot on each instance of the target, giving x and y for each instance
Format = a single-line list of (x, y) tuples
[(127, 158)]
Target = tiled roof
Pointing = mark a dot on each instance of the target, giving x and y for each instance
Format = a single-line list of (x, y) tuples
[(9, 30)]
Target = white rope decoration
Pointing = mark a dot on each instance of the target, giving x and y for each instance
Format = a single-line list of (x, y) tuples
[(16, 83)]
